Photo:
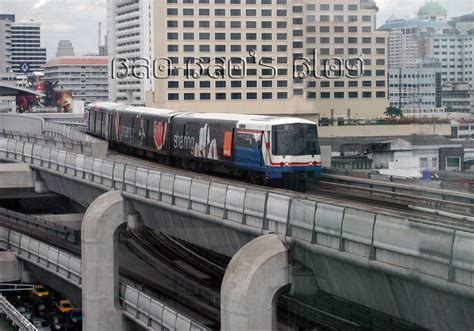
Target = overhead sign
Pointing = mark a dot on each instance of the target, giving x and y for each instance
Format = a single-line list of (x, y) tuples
[(24, 67)]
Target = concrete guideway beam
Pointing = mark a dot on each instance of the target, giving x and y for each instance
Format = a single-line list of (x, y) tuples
[(255, 275), (100, 267)]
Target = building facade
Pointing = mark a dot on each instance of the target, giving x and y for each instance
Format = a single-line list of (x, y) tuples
[(129, 37), (416, 89), (86, 77), (430, 39), (253, 56), (27, 53), (6, 42), (65, 48)]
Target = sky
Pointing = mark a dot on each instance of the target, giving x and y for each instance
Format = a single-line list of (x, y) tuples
[(77, 20)]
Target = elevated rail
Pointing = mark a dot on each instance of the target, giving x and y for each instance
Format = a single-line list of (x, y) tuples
[(438, 251), (438, 199), (10, 217), (141, 307)]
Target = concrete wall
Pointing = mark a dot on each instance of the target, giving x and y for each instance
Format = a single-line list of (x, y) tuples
[(410, 300), (16, 176), (384, 130), (10, 267), (21, 122)]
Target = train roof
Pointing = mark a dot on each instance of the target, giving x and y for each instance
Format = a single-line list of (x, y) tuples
[(148, 111), (240, 118), (246, 119)]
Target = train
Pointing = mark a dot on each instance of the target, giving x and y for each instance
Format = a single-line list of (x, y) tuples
[(270, 150)]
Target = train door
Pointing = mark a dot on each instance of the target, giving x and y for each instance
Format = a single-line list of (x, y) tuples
[(248, 148)]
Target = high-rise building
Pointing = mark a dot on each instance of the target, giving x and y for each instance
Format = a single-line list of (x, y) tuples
[(266, 52), (6, 42), (27, 53), (86, 77), (129, 36), (65, 48), (408, 42), (416, 90), (427, 39)]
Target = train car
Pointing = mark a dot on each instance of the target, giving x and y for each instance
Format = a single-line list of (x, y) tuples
[(266, 149), (142, 129), (98, 116)]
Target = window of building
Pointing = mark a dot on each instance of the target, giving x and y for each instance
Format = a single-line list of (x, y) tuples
[(173, 96), (220, 96), (251, 96)]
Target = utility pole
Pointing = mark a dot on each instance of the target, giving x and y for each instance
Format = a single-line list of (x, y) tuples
[(400, 87)]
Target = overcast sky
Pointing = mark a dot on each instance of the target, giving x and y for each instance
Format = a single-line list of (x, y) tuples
[(77, 20)]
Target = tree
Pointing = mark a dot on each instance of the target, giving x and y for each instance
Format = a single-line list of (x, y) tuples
[(393, 112)]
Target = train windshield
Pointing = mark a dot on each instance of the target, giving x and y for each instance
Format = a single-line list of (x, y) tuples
[(295, 139)]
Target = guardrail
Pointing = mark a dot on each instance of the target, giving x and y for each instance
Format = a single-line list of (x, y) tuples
[(97, 146), (37, 223), (59, 142), (439, 199), (27, 127), (137, 305), (14, 315), (441, 252), (445, 184)]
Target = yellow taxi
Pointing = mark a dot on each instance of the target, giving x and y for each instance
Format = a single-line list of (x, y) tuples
[(40, 290), (64, 306)]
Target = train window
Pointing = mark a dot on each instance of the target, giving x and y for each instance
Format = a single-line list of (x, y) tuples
[(101, 123), (91, 120), (247, 139), (295, 139)]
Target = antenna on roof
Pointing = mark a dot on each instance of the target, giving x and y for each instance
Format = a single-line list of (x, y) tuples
[(98, 40)]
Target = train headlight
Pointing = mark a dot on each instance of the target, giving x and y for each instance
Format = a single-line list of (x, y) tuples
[(311, 163), (287, 164)]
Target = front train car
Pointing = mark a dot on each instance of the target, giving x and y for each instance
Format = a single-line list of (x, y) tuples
[(288, 148)]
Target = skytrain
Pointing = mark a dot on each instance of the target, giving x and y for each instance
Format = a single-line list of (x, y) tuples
[(280, 151)]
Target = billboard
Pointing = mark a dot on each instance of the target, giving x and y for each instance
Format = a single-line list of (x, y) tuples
[(53, 101)]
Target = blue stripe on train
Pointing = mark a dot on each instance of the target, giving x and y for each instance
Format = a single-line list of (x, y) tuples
[(251, 158)]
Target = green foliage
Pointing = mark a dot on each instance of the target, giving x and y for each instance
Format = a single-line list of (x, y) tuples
[(393, 112)]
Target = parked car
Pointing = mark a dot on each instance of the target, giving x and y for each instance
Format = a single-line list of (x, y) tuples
[(40, 290), (40, 324), (76, 315), (59, 322), (25, 312), (64, 306)]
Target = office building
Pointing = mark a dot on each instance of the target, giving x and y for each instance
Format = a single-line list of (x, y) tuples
[(278, 41), (6, 42), (428, 39), (27, 53), (86, 77), (416, 90), (65, 48), (129, 37)]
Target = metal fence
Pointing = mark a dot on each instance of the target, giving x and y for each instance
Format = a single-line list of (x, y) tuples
[(438, 251), (14, 316)]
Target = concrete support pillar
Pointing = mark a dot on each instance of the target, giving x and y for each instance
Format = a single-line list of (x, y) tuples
[(10, 267), (251, 283), (100, 267)]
